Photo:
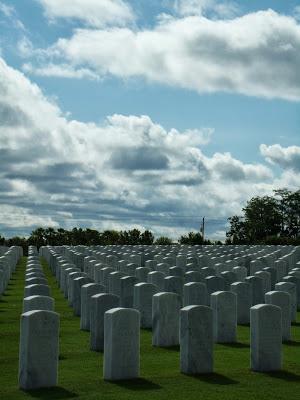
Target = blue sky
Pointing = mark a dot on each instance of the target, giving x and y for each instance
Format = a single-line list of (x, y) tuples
[(157, 112)]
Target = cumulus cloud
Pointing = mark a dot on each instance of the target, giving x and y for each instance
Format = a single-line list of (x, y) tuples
[(19, 217), (97, 13), (126, 171), (255, 54), (285, 157), (202, 7), (228, 168), (139, 158)]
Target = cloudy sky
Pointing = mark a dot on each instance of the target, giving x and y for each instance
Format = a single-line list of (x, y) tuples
[(149, 114)]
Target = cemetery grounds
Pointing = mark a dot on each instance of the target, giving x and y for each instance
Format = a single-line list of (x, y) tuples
[(80, 370)]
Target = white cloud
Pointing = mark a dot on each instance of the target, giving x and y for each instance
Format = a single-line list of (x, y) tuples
[(285, 157), (97, 13), (200, 7), (10, 15), (60, 71), (297, 12), (127, 170), (228, 168), (25, 47), (246, 55), (218, 235), (19, 217), (8, 11)]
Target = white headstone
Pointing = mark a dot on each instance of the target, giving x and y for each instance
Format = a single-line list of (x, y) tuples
[(39, 343), (121, 344), (196, 340), (266, 338)]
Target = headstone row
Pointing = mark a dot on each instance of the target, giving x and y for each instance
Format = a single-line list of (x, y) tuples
[(39, 330), (8, 262)]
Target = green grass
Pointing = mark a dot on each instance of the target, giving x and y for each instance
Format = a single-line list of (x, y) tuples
[(80, 370)]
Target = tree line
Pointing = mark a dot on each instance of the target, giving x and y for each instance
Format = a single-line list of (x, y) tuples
[(90, 237), (265, 220)]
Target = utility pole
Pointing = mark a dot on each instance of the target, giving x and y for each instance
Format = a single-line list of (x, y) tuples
[(202, 227)]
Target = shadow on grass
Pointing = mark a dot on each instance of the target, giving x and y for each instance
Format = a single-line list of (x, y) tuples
[(147, 329), (139, 384), (172, 348), (51, 393), (295, 323), (236, 345), (284, 375), (292, 343), (216, 379)]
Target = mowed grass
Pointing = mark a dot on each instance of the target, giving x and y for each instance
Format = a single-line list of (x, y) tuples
[(80, 370)]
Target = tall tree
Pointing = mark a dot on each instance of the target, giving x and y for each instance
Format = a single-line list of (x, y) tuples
[(262, 218), (237, 233), (289, 206), (268, 219)]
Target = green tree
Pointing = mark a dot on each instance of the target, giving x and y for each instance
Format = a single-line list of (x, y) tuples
[(192, 238), (37, 237), (268, 219), (163, 240), (147, 238), (134, 237), (109, 237), (289, 207), (93, 237), (262, 218), (2, 240), (237, 233)]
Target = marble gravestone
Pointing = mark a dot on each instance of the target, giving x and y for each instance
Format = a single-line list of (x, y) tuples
[(127, 289), (157, 278), (244, 300), (39, 349), (121, 344), (224, 306), (174, 284), (196, 340), (77, 284), (142, 301), (36, 289), (100, 303), (194, 293), (38, 303), (290, 288), (265, 338), (283, 301), (165, 319), (87, 291), (257, 289)]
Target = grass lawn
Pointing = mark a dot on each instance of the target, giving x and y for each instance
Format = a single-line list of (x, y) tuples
[(80, 370)]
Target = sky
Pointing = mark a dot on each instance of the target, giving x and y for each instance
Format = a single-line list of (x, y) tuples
[(120, 114)]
